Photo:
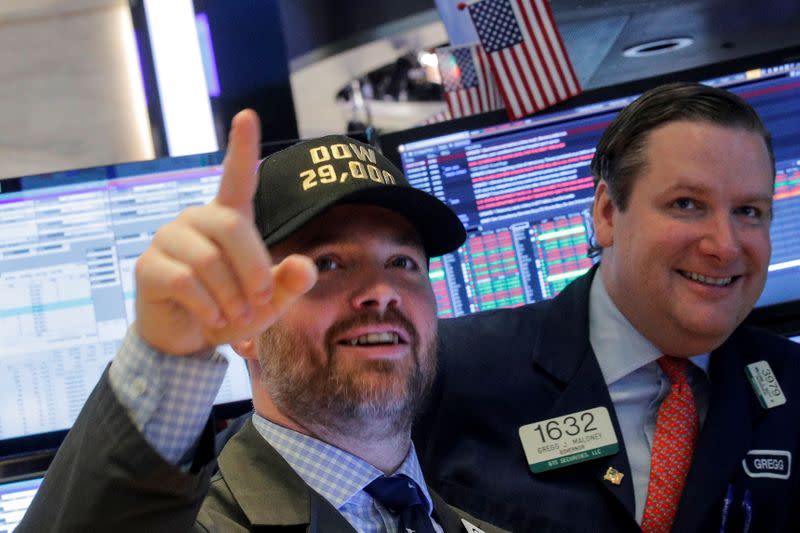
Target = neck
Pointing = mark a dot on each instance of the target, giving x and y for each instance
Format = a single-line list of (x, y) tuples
[(385, 452), (377, 442)]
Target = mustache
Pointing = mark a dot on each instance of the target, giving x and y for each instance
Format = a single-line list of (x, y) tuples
[(390, 317)]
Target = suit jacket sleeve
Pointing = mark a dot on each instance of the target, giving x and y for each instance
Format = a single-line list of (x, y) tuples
[(106, 477)]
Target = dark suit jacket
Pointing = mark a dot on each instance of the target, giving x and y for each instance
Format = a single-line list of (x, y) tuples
[(106, 477), (504, 369)]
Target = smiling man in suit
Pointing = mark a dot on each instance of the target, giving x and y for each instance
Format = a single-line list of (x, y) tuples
[(340, 340), (636, 399)]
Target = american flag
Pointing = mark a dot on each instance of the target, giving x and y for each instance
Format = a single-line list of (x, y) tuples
[(467, 80), (526, 52)]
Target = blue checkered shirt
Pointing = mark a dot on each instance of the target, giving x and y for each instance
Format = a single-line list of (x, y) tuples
[(170, 398), (340, 477)]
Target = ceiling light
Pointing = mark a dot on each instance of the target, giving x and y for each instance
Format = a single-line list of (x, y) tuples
[(661, 46), (428, 59)]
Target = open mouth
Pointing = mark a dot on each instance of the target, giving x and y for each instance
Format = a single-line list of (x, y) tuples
[(388, 338), (708, 280)]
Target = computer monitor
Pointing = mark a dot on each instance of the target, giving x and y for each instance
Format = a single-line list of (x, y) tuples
[(70, 242), (16, 495), (524, 190)]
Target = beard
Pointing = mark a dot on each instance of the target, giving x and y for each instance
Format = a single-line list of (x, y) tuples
[(367, 399)]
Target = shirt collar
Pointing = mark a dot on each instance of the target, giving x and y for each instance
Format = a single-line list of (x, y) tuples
[(619, 347), (335, 474)]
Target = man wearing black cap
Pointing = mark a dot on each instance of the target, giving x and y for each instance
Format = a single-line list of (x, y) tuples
[(340, 341)]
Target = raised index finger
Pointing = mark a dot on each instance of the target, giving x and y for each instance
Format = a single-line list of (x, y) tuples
[(239, 180)]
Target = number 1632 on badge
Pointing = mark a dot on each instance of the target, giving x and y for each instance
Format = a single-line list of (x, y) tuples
[(568, 439)]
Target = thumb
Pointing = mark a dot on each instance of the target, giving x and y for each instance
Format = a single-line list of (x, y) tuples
[(293, 277)]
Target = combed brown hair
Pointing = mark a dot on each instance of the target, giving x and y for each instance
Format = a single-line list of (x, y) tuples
[(620, 154)]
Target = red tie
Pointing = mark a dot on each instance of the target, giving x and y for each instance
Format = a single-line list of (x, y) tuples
[(677, 426)]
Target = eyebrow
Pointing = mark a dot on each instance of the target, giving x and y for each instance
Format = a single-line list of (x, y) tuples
[(686, 187), (754, 198), (759, 198)]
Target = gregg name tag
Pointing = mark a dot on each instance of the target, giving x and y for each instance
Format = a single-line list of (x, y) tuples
[(568, 439), (776, 464)]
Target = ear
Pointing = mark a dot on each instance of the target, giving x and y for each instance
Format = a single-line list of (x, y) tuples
[(246, 348), (603, 213)]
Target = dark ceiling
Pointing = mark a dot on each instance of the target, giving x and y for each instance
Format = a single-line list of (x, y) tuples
[(596, 32)]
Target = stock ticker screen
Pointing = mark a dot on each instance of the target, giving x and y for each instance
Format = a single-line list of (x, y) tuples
[(524, 192), (70, 243)]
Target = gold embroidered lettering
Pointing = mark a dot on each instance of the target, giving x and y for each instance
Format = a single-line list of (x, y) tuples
[(374, 173), (319, 154), (357, 170), (340, 151), (363, 153), (309, 180), (327, 174), (388, 178)]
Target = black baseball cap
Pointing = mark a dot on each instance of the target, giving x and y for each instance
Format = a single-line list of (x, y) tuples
[(300, 182)]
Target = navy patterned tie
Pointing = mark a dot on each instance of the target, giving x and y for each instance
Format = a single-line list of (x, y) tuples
[(401, 495)]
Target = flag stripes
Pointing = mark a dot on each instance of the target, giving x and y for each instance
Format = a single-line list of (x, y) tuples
[(526, 53), (467, 80)]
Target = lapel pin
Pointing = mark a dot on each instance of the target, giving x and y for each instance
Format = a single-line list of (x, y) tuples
[(613, 476)]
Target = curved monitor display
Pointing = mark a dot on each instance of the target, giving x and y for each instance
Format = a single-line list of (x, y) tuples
[(70, 241), (524, 190)]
